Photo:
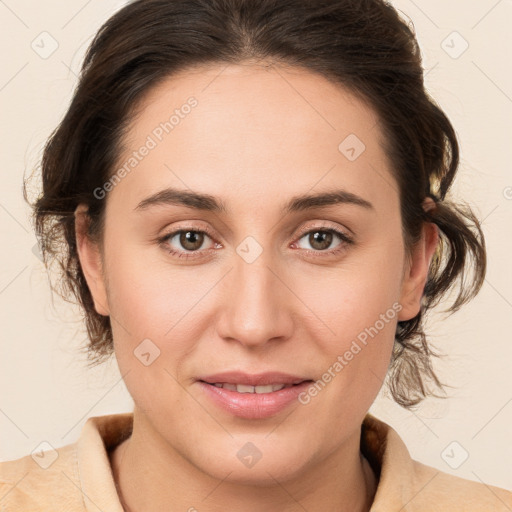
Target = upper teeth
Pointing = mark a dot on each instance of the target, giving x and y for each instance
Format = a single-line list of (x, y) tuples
[(243, 388)]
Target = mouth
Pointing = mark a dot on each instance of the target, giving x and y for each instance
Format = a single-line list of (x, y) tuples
[(253, 396), (245, 388)]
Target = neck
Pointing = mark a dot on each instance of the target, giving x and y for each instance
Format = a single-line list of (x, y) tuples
[(151, 475)]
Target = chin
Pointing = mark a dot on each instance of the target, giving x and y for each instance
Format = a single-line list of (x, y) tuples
[(262, 474), (258, 462)]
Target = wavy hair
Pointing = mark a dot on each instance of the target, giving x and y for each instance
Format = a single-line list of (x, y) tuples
[(363, 45)]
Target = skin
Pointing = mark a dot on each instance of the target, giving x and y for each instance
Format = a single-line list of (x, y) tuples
[(259, 136)]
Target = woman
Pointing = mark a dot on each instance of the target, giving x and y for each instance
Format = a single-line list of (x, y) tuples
[(253, 202)]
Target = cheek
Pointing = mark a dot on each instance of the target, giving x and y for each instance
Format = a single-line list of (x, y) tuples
[(358, 323), (152, 297), (353, 295), (358, 305)]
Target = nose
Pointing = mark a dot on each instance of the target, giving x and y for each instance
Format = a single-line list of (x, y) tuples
[(256, 304)]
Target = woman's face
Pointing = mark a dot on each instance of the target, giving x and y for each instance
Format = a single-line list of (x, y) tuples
[(258, 280)]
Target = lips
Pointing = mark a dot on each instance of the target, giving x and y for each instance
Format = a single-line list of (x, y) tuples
[(253, 396)]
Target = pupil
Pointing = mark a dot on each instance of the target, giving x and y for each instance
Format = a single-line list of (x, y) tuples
[(324, 237), (189, 240)]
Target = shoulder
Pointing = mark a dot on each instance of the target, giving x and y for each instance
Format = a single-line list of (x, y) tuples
[(44, 480), (411, 486), (75, 477), (438, 490)]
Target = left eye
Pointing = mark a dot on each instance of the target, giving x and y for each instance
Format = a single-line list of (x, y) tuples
[(321, 239), (190, 240)]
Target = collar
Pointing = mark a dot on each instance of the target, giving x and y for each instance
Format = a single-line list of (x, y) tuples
[(380, 444)]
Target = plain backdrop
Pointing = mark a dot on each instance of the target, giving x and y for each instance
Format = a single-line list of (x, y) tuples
[(47, 392)]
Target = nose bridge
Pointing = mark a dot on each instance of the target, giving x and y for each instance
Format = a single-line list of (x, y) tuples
[(255, 307)]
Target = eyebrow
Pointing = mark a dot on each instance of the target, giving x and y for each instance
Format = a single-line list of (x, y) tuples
[(206, 202)]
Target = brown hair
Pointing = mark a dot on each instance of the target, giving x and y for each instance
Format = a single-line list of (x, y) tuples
[(361, 44)]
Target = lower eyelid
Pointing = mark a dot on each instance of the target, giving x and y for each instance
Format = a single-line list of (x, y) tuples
[(164, 241), (343, 237)]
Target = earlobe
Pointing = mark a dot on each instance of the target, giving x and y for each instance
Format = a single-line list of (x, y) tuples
[(90, 261), (414, 281)]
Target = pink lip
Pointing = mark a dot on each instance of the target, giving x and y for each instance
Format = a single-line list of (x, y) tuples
[(253, 405)]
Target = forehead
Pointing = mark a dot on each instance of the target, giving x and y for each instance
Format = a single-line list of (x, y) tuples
[(253, 128)]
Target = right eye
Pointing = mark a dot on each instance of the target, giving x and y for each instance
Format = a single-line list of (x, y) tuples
[(190, 240)]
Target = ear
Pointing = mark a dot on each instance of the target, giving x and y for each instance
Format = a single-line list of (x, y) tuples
[(90, 260), (416, 272)]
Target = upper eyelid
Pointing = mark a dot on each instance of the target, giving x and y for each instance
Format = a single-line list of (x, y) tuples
[(303, 231), (324, 227)]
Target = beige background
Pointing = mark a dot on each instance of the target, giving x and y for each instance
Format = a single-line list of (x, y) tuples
[(47, 392)]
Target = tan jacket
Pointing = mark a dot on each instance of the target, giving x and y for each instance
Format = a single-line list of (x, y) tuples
[(78, 477)]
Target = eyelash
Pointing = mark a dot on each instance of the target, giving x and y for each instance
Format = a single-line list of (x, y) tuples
[(345, 239)]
